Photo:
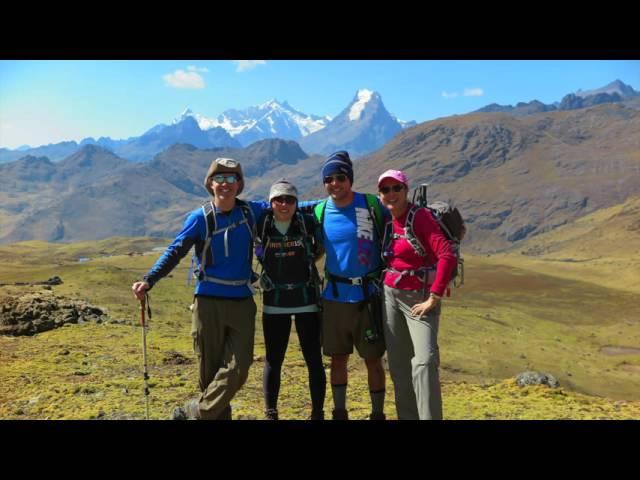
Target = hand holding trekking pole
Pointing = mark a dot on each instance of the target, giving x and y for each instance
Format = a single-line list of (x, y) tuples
[(140, 290)]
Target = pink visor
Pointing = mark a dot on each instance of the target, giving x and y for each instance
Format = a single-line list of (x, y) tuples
[(396, 175)]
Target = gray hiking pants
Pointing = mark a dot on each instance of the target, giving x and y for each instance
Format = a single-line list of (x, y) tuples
[(412, 351), (223, 332)]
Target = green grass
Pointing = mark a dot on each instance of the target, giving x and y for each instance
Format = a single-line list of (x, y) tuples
[(503, 321)]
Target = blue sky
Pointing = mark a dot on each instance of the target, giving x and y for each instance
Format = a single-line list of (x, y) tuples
[(50, 101)]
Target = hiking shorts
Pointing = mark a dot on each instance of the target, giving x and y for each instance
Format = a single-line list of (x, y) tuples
[(343, 326)]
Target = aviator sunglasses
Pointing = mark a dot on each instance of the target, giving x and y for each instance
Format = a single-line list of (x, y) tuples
[(387, 189), (288, 199), (340, 177), (224, 178)]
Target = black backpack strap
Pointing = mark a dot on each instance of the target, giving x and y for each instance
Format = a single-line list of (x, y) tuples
[(385, 253), (263, 227), (210, 223), (308, 225), (410, 233), (250, 218)]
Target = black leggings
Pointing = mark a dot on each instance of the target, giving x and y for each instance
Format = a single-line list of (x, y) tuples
[(277, 328)]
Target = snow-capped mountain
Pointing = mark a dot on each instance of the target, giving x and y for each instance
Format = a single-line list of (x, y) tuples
[(364, 126), (269, 120), (405, 124), (186, 130)]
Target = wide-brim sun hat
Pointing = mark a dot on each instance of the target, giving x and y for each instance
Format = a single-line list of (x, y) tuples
[(224, 165)]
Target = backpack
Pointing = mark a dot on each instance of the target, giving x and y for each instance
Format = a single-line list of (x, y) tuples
[(265, 223), (451, 224), (449, 219), (311, 247), (204, 251), (377, 219)]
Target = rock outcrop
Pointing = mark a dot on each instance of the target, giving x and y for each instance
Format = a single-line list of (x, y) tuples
[(37, 312)]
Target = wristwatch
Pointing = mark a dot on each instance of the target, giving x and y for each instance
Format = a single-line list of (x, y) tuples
[(434, 296)]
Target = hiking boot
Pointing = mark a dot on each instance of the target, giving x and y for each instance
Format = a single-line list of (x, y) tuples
[(339, 414), (190, 411), (377, 416), (225, 414), (316, 415), (271, 414), (179, 414)]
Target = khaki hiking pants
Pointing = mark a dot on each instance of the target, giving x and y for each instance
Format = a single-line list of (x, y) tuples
[(413, 355), (223, 332)]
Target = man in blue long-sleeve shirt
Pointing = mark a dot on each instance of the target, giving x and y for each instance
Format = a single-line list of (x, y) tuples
[(223, 320)]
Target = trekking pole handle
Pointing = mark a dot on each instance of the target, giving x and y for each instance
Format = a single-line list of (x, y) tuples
[(142, 302), (423, 192), (420, 195)]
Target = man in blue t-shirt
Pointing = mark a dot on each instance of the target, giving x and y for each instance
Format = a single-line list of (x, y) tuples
[(352, 268)]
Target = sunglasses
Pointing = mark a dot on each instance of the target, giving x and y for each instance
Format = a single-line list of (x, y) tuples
[(224, 178), (340, 177), (288, 199), (395, 188)]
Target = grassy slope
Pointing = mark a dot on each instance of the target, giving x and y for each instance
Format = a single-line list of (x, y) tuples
[(602, 248), (502, 314)]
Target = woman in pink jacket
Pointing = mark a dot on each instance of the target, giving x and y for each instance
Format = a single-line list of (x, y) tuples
[(418, 269)]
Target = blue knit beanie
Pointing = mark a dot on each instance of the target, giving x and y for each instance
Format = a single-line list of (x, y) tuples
[(338, 162)]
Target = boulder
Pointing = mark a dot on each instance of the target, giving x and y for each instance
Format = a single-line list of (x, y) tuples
[(40, 311), (536, 378)]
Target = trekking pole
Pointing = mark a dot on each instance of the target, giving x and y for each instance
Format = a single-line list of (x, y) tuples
[(420, 195), (144, 301), (421, 201)]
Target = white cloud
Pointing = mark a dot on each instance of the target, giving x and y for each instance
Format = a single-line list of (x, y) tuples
[(473, 92), (246, 65), (468, 92), (193, 68), (182, 79)]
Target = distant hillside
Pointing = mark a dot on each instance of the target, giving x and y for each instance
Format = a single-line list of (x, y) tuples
[(602, 247), (616, 91), (94, 194), (512, 177), (517, 177), (135, 149)]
